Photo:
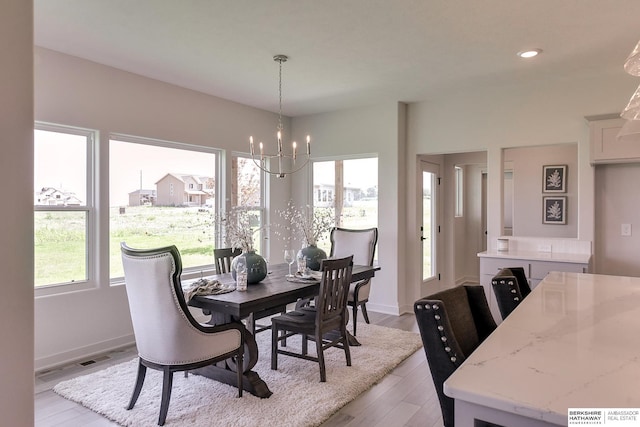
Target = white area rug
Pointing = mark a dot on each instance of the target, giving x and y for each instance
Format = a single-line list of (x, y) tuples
[(299, 398)]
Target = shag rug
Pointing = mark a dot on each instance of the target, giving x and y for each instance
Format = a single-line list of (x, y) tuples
[(299, 398)]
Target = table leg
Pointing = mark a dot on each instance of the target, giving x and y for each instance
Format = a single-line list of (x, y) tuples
[(226, 371)]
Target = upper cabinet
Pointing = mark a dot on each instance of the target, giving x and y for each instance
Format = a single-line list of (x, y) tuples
[(605, 148)]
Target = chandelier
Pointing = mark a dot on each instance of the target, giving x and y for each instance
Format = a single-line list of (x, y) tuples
[(631, 129), (293, 163)]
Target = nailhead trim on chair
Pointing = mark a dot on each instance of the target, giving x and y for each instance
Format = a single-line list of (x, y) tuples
[(443, 337)]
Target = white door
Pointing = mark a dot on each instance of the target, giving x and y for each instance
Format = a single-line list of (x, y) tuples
[(429, 227)]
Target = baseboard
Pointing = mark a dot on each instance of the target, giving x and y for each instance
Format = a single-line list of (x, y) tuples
[(467, 279), (80, 353), (384, 309)]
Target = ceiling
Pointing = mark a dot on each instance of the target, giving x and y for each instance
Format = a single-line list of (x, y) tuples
[(342, 53)]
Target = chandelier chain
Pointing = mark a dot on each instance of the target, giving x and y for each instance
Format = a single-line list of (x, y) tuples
[(280, 127)]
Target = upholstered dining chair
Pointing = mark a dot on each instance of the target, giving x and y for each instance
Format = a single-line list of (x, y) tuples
[(223, 258), (167, 336), (452, 324), (328, 316), (362, 245), (508, 291)]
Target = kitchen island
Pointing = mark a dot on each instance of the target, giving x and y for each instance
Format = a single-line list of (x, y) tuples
[(574, 342)]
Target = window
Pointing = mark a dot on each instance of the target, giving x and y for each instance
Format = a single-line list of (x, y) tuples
[(63, 204), (459, 190), (354, 198), (247, 193), (161, 194)]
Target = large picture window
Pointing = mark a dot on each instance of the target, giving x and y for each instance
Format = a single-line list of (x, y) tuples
[(63, 204), (350, 188), (162, 194)]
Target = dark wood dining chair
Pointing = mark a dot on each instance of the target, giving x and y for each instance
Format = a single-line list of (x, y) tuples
[(223, 258), (329, 315), (452, 325)]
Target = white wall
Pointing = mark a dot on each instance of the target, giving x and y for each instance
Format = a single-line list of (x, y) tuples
[(76, 92), (527, 163), (369, 130), (16, 215), (548, 111)]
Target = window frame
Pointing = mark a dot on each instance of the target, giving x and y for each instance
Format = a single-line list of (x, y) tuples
[(459, 191), (329, 197), (91, 228), (187, 272)]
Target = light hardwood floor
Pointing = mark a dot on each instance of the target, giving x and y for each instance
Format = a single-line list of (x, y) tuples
[(405, 397)]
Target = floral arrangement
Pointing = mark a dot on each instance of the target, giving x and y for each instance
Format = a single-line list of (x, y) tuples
[(306, 224), (236, 229)]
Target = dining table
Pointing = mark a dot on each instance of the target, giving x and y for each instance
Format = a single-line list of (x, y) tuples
[(268, 297), (569, 354)]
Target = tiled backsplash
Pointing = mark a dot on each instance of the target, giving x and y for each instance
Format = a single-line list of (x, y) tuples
[(543, 244)]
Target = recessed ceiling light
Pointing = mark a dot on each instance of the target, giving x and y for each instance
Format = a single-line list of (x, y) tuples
[(529, 53)]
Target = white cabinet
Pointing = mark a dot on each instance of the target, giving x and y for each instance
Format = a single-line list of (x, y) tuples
[(536, 266), (605, 148)]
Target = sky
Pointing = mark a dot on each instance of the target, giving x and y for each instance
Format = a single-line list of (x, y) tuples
[(59, 158)]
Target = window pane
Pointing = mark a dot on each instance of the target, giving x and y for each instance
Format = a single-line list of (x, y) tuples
[(60, 247), (360, 194), (350, 187), (59, 180), (247, 183), (61, 203), (161, 196)]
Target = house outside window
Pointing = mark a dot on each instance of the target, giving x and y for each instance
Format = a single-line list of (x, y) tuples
[(178, 207)]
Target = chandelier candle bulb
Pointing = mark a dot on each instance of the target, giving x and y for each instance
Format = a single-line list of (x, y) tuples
[(261, 152), (294, 150), (308, 145), (251, 144)]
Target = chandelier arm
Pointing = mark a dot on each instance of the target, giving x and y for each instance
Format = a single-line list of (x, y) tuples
[(279, 174)]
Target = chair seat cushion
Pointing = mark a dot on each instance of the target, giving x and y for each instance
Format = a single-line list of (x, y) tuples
[(302, 316)]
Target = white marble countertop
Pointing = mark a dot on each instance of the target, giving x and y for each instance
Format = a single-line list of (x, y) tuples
[(574, 342), (538, 256)]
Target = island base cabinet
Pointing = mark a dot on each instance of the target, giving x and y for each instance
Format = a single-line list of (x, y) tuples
[(535, 270)]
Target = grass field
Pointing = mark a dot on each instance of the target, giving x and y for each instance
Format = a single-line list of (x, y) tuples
[(60, 244), (60, 237)]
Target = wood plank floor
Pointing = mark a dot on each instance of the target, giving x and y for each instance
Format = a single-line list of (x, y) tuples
[(404, 398)]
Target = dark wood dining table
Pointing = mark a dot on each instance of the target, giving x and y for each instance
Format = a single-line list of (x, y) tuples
[(269, 296)]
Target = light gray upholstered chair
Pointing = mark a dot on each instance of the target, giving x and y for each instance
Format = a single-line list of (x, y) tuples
[(362, 245), (325, 324), (167, 336)]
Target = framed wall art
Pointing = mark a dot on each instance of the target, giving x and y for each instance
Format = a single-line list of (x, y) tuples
[(555, 179), (554, 210)]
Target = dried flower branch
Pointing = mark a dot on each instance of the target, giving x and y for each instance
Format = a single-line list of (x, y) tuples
[(236, 229), (305, 224)]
